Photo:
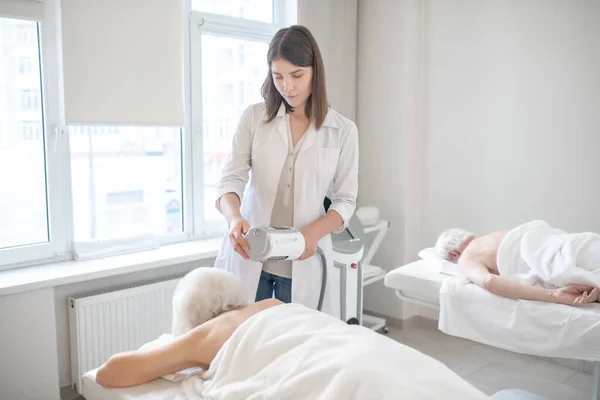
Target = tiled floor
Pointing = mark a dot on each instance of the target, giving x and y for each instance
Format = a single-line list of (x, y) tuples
[(491, 369)]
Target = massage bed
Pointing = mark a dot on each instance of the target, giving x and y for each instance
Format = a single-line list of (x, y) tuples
[(521, 326), (157, 389), (292, 352)]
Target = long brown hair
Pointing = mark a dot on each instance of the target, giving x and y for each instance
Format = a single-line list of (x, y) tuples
[(298, 46)]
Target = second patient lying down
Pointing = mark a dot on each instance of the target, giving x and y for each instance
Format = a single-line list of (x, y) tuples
[(533, 261)]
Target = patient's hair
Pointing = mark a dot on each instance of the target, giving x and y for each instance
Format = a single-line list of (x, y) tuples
[(203, 294), (451, 239)]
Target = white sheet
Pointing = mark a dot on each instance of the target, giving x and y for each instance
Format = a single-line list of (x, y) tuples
[(167, 386), (292, 352), (419, 280), (305, 354), (538, 254), (522, 326), (159, 389)]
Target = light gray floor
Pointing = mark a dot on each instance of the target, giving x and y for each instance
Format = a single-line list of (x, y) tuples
[(487, 368), (491, 369)]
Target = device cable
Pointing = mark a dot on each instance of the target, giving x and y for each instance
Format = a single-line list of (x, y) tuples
[(323, 279)]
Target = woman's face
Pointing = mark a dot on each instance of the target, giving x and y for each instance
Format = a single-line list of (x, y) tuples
[(293, 83)]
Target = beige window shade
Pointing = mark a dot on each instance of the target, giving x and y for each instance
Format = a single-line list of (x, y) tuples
[(27, 9), (123, 62)]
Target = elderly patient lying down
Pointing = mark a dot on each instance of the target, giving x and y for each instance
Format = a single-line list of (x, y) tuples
[(533, 261), (271, 350)]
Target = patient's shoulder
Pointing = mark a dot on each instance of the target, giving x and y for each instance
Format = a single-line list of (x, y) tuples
[(487, 243), (241, 314), (499, 235), (268, 303), (484, 249)]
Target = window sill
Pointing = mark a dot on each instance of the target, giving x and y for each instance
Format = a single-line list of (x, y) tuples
[(61, 273)]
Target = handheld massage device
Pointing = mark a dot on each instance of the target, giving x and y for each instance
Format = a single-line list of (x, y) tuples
[(271, 244)]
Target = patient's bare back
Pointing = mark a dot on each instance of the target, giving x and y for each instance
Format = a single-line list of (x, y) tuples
[(484, 249), (196, 348), (206, 340)]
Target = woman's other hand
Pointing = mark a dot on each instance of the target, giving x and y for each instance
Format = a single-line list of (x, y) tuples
[(237, 229), (311, 240)]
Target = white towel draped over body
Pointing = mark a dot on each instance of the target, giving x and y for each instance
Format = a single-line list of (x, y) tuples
[(293, 352), (538, 254)]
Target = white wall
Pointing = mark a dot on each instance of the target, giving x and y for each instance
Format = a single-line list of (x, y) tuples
[(28, 357), (476, 114), (333, 24), (387, 118), (514, 115)]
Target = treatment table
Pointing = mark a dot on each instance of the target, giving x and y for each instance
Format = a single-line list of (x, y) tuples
[(521, 326)]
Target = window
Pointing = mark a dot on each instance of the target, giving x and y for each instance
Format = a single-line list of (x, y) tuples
[(30, 99), (24, 34), (23, 183), (89, 184), (228, 66), (220, 108), (25, 65), (258, 10), (32, 131), (125, 181)]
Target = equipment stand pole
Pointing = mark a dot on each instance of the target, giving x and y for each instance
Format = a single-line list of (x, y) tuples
[(595, 392)]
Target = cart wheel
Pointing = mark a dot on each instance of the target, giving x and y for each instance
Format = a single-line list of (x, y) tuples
[(384, 330)]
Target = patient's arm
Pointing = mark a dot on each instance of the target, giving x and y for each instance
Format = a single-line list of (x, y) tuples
[(136, 367), (479, 274), (197, 348)]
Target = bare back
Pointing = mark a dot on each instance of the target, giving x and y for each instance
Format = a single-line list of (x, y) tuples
[(207, 339), (484, 249), (196, 348)]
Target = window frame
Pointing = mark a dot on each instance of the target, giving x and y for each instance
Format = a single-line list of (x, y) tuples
[(57, 170)]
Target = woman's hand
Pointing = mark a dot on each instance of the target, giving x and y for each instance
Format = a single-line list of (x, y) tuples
[(320, 228), (311, 240), (238, 227), (576, 295)]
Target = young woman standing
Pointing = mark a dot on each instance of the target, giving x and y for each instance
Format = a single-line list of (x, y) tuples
[(299, 151)]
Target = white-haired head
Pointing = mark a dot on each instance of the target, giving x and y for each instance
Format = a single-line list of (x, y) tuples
[(451, 243), (203, 294)]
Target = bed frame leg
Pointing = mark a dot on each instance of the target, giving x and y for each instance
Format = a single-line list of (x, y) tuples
[(596, 384)]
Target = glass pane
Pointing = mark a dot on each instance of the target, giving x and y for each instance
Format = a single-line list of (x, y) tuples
[(233, 71), (23, 204), (257, 10), (126, 181)]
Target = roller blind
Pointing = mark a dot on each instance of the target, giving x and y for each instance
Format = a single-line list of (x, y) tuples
[(27, 9), (123, 62)]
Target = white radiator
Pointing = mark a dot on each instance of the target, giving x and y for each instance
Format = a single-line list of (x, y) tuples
[(108, 322)]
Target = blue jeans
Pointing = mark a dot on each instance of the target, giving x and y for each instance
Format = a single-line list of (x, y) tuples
[(269, 284)]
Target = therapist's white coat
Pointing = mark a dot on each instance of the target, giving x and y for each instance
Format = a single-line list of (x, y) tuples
[(326, 165)]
